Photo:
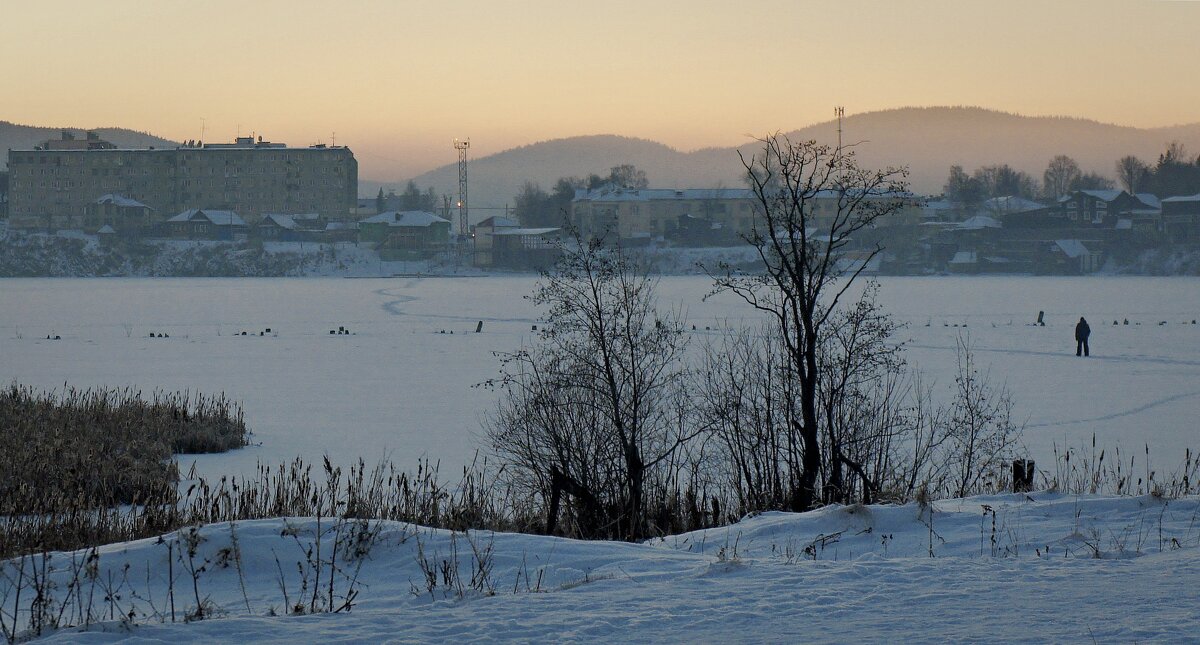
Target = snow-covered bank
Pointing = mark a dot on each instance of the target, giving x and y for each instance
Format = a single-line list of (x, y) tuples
[(1014, 568), (74, 254), (70, 254)]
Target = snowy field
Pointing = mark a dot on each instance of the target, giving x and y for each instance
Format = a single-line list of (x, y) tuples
[(1053, 569), (398, 387)]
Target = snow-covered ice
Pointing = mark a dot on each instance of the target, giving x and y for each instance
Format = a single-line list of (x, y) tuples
[(398, 387)]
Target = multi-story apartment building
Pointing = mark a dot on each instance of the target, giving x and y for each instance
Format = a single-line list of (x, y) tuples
[(51, 186), (3, 194), (656, 212)]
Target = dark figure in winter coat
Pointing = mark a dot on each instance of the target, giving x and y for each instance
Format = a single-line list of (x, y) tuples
[(1082, 331)]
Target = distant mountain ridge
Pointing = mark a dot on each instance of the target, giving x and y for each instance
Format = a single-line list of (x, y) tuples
[(928, 140), (14, 136)]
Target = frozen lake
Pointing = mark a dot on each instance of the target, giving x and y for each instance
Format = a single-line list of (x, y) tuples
[(399, 388)]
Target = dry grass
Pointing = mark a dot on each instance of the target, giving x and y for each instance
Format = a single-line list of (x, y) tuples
[(287, 490), (83, 451)]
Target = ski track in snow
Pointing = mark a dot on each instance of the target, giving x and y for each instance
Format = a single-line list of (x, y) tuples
[(393, 307), (1118, 415), (1158, 360)]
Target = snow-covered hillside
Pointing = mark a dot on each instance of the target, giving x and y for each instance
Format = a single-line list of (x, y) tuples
[(1013, 568)]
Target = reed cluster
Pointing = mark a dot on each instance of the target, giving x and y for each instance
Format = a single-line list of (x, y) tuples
[(81, 452)]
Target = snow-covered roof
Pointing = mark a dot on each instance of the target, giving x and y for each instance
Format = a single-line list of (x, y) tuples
[(1183, 198), (497, 221), (341, 226), (283, 221), (979, 222), (120, 200), (1150, 199), (290, 222), (1124, 224), (612, 194), (525, 231), (1010, 204), (105, 230), (1103, 195), (219, 218), (964, 257), (1071, 248), (405, 218)]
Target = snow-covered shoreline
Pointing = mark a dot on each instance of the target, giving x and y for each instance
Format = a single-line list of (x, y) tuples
[(74, 254), (1041, 567)]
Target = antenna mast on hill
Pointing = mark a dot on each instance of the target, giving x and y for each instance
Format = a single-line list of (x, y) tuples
[(839, 112), (461, 146)]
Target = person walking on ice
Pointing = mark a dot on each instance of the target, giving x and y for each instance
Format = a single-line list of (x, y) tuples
[(1082, 331)]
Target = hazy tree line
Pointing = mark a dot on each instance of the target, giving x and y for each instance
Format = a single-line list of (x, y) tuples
[(411, 198), (618, 427), (535, 207), (1175, 173)]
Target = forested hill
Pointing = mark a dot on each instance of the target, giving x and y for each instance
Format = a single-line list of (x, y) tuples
[(927, 140)]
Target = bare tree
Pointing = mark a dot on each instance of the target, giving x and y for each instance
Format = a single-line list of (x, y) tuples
[(858, 364), (1003, 180), (591, 410), (1130, 171), (812, 199), (745, 393), (1061, 173), (980, 429)]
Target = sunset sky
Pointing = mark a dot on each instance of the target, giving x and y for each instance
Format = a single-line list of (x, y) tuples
[(397, 81)]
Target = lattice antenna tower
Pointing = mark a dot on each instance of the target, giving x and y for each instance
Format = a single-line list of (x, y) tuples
[(462, 145)]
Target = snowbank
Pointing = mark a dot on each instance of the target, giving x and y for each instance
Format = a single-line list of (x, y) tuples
[(1014, 568)]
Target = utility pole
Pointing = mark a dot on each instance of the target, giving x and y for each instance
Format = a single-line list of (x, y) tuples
[(462, 145)]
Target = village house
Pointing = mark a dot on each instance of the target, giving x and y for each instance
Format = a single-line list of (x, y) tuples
[(526, 248), (483, 235), (125, 217), (405, 233), (1181, 218), (1106, 209), (306, 227), (501, 242), (203, 224)]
